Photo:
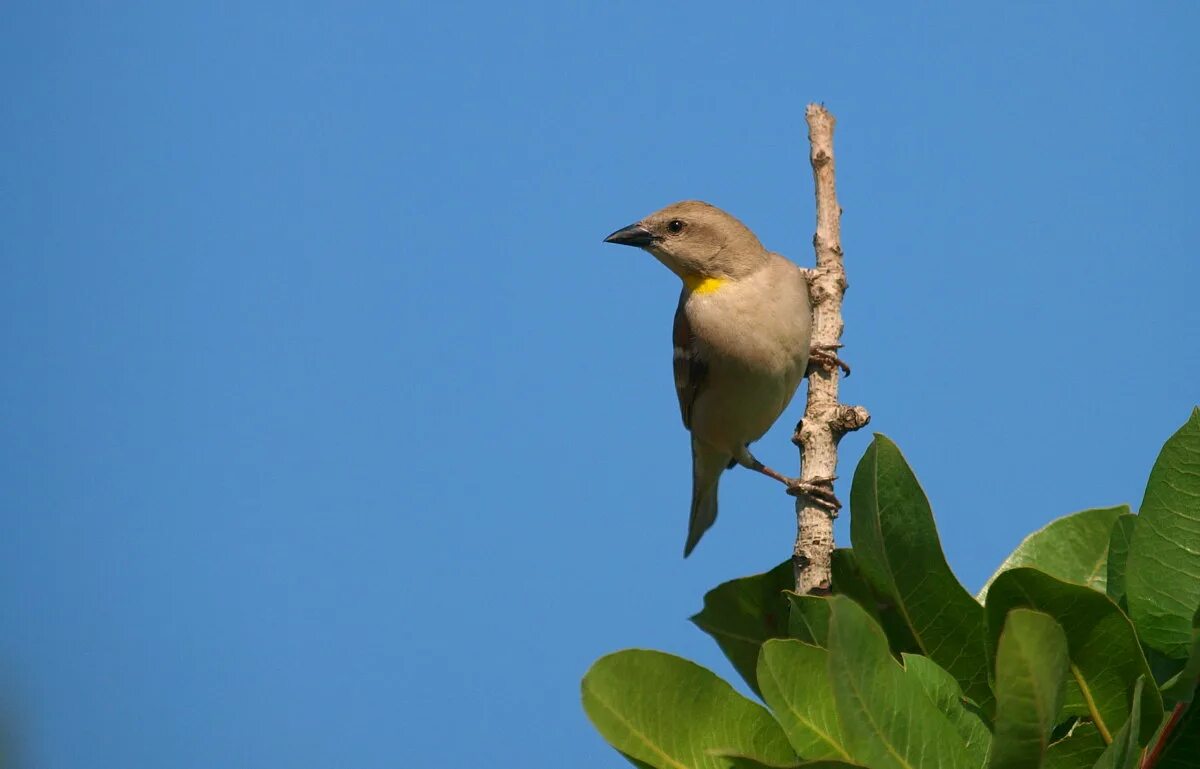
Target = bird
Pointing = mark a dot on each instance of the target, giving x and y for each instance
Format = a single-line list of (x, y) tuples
[(741, 334)]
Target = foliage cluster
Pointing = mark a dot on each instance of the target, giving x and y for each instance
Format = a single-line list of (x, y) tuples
[(1082, 651)]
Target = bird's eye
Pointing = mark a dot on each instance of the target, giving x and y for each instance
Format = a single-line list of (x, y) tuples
[(675, 225)]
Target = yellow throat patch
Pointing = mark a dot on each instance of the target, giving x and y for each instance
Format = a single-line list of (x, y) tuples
[(701, 285)]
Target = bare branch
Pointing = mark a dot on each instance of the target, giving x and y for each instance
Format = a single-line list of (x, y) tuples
[(825, 420)]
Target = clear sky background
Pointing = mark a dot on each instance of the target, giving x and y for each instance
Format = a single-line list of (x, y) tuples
[(332, 435)]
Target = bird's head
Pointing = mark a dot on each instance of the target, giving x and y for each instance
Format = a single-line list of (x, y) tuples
[(696, 241)]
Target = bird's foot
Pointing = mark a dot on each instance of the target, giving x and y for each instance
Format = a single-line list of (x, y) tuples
[(825, 356), (819, 490)]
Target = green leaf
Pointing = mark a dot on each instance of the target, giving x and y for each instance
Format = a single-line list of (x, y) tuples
[(1080, 749), (1183, 744), (635, 762), (1124, 751), (1031, 668), (666, 712), (1106, 659), (1182, 686), (1073, 548), (1163, 668), (795, 683), (734, 761), (1118, 556), (742, 613), (1163, 573), (947, 696), (888, 720), (897, 548), (808, 619), (741, 762), (848, 580)]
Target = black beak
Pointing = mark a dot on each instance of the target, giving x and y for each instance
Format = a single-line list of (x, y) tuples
[(633, 235)]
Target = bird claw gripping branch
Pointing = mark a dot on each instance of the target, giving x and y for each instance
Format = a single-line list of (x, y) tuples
[(825, 356), (819, 490)]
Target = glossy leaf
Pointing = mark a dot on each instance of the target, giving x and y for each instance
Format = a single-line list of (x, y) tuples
[(742, 762), (1183, 745), (1118, 556), (1080, 749), (795, 683), (1073, 548), (1106, 659), (1182, 687), (635, 762), (888, 720), (666, 712), (1031, 668), (808, 619), (734, 761), (947, 696), (897, 548), (1163, 572), (742, 613), (1124, 751), (849, 580)]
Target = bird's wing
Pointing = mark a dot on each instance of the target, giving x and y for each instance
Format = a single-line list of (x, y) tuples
[(690, 370)]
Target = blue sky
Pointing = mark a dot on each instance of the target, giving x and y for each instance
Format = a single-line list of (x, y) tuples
[(334, 436)]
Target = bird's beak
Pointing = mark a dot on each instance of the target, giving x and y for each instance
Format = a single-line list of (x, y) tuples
[(633, 235)]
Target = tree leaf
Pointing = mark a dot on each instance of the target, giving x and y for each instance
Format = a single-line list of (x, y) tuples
[(888, 720), (1118, 556), (741, 762), (1182, 686), (808, 619), (734, 761), (635, 762), (849, 580), (1073, 548), (897, 548), (1163, 573), (947, 696), (1106, 659), (1124, 751), (742, 613), (1080, 749), (1031, 668), (666, 712), (1184, 743), (795, 682)]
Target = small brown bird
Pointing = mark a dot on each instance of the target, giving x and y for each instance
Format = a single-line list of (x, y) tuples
[(742, 333)]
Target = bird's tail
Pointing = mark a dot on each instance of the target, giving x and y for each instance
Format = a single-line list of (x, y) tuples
[(707, 465)]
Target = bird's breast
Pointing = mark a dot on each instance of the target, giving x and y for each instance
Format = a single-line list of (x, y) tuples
[(766, 330)]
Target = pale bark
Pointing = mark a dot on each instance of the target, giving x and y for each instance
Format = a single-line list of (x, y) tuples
[(825, 420)]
